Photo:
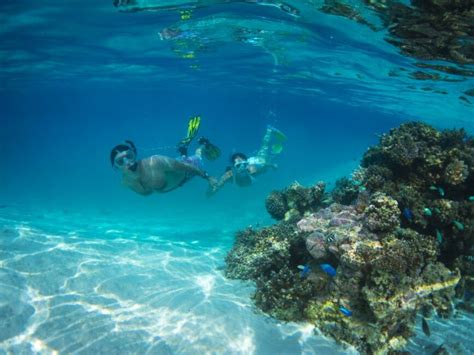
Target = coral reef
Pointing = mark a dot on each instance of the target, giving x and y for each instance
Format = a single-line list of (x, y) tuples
[(456, 172), (382, 215), (431, 181), (294, 201), (346, 191), (259, 252), (276, 205), (394, 240)]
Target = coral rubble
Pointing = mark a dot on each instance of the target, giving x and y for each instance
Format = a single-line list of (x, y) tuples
[(396, 239)]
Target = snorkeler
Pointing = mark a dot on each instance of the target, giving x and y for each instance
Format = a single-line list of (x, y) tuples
[(243, 169), (160, 173)]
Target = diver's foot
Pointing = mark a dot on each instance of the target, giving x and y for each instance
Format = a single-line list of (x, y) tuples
[(277, 133), (273, 129), (183, 149), (204, 141), (210, 151)]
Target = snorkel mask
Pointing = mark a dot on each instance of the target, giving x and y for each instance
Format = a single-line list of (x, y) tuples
[(241, 165), (242, 176), (124, 159), (124, 156)]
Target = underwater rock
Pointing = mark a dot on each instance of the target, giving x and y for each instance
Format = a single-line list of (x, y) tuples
[(317, 245)]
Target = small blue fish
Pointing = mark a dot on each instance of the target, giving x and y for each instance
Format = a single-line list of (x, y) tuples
[(427, 212), (328, 269), (345, 311), (433, 188), (458, 225), (468, 295), (408, 214), (471, 198), (305, 272), (439, 236), (441, 191)]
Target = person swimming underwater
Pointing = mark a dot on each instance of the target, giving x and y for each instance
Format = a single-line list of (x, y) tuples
[(160, 173), (243, 168)]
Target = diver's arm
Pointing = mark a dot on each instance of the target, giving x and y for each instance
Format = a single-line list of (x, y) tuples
[(271, 166), (138, 188), (214, 187), (134, 184), (226, 177)]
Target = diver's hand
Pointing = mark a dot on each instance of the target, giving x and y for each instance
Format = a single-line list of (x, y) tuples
[(213, 186), (212, 182)]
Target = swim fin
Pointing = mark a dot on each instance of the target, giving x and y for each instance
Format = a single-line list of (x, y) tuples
[(193, 127), (210, 151), (277, 147)]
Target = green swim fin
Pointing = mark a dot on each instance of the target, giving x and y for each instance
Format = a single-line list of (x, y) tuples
[(210, 151), (277, 147), (193, 127)]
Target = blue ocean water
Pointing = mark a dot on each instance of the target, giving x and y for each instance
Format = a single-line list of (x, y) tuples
[(87, 266)]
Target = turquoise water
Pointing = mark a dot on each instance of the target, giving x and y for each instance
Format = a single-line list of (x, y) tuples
[(74, 283), (87, 284), (87, 266)]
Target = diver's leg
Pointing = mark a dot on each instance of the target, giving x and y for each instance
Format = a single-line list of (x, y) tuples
[(198, 151), (193, 127), (207, 149), (196, 159), (182, 149), (264, 149)]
